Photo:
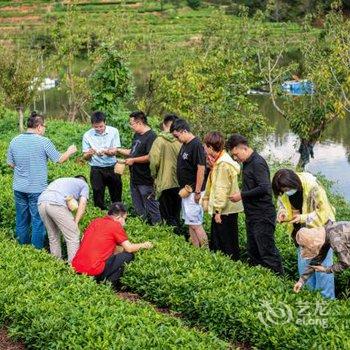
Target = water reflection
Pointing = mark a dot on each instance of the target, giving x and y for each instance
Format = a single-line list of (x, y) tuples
[(331, 156)]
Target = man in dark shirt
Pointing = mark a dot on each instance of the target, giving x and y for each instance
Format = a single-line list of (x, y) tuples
[(190, 171), (260, 212), (141, 181)]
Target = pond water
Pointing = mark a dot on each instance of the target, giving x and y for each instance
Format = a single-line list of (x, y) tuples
[(331, 156)]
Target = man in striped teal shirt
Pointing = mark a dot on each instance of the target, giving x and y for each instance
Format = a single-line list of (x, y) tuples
[(28, 155)]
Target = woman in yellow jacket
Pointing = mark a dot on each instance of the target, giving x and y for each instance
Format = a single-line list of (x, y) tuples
[(222, 181), (303, 202)]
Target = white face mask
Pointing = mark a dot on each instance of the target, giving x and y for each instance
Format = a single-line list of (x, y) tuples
[(291, 192)]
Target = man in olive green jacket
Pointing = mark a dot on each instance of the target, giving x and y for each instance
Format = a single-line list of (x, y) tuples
[(163, 158)]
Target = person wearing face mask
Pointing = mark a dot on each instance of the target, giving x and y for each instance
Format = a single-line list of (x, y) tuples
[(97, 255), (302, 202), (314, 245)]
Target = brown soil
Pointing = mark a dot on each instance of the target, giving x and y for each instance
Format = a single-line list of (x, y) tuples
[(20, 19), (135, 297), (7, 344), (22, 8), (134, 6)]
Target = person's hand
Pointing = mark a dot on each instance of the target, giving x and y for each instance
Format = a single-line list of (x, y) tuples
[(295, 219), (197, 197), (282, 216), (110, 151), (235, 197), (318, 268), (90, 152), (72, 149), (298, 286), (217, 218), (129, 161), (147, 245)]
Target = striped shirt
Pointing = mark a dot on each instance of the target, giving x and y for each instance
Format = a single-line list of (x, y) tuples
[(29, 154), (108, 139)]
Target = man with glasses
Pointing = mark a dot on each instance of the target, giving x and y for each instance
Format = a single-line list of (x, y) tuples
[(28, 154), (99, 148), (141, 181)]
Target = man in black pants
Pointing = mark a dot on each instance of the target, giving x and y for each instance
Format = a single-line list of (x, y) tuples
[(260, 212), (99, 148), (141, 182), (163, 157), (97, 253)]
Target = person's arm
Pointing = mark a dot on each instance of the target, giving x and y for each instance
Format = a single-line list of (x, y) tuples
[(309, 270), (199, 182), (343, 260), (112, 149), (138, 160), (66, 155), (282, 213), (322, 206), (81, 209), (262, 178), (10, 159), (123, 151), (135, 247), (87, 155), (154, 157), (222, 187)]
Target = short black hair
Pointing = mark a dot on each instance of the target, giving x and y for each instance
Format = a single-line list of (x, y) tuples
[(236, 139), (97, 117), (180, 125), (285, 178), (170, 118), (35, 120), (82, 177), (117, 208), (139, 116)]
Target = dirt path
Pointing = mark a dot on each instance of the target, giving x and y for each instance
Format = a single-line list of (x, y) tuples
[(133, 297), (7, 344)]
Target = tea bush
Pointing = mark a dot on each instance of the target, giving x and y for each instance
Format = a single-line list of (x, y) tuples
[(48, 306), (208, 289), (232, 299)]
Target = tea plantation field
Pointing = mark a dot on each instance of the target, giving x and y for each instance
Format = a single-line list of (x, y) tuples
[(46, 305)]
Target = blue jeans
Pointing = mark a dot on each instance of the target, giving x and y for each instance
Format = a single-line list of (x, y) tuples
[(27, 214), (324, 282)]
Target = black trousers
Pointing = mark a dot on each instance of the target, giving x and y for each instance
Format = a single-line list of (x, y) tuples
[(114, 268), (224, 236), (170, 206), (101, 178), (261, 245)]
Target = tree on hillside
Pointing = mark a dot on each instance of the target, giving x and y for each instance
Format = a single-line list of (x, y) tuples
[(211, 92), (70, 35), (21, 73), (111, 86)]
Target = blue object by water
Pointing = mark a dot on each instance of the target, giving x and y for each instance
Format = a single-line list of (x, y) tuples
[(301, 87)]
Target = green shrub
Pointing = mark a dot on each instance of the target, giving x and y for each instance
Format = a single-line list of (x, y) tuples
[(208, 289), (48, 306), (230, 298), (194, 4)]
